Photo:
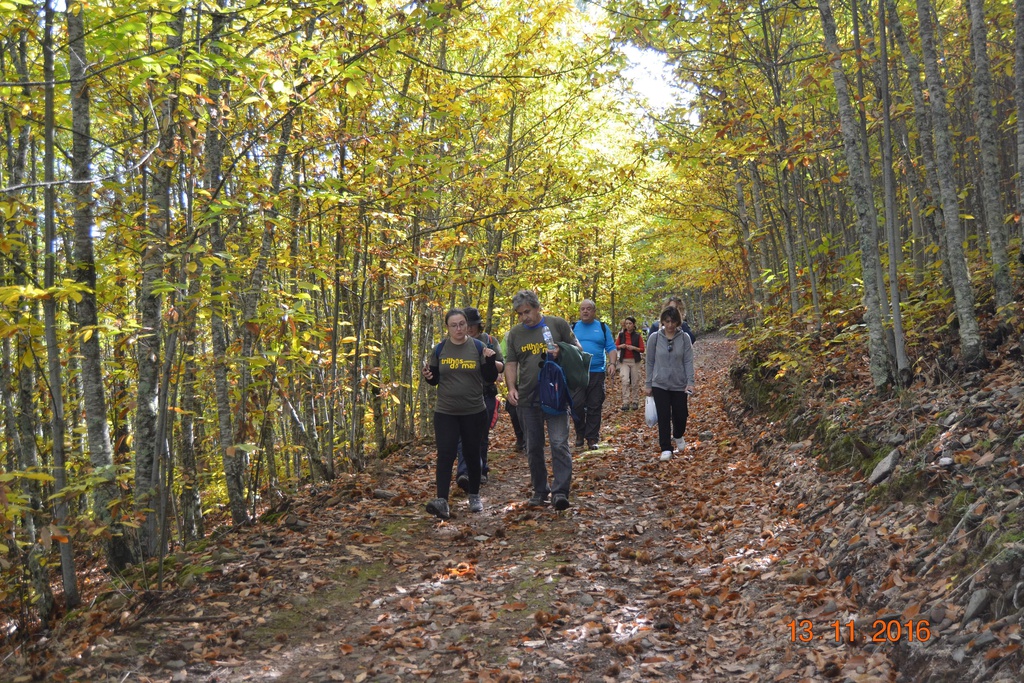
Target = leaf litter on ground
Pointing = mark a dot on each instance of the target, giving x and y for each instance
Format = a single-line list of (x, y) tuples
[(715, 565)]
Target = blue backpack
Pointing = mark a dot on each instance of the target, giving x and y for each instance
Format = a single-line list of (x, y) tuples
[(553, 389)]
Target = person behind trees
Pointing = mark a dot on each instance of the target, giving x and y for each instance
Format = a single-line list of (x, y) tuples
[(459, 366), (676, 303), (513, 414), (597, 340), (526, 353), (630, 344), (490, 399), (670, 379)]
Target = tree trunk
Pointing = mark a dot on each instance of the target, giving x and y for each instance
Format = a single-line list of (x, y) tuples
[(931, 202), (120, 549), (147, 445), (970, 338), (904, 374), (863, 203), (746, 245), (57, 425), (232, 460), (1018, 97), (989, 149)]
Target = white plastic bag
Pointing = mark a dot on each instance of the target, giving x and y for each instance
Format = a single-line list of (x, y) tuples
[(650, 412)]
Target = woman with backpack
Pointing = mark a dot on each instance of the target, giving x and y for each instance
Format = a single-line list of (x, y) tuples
[(630, 344), (670, 379), (459, 367)]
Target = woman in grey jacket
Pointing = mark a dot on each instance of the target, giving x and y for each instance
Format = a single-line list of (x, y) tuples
[(670, 379)]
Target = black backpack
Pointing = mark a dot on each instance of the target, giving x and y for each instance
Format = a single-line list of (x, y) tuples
[(479, 347)]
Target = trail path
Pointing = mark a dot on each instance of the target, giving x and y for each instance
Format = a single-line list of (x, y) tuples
[(687, 570)]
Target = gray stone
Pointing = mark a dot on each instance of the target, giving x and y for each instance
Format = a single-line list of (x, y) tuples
[(982, 640), (966, 440), (884, 468), (585, 599), (976, 605), (949, 419), (946, 461)]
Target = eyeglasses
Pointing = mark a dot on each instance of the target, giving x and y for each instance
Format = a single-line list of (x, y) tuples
[(455, 326), (669, 341)]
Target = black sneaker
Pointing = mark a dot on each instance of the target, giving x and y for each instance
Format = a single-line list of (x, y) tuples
[(538, 500), (520, 446), (592, 445), (463, 482), (561, 501), (483, 480), (579, 441), (439, 508)]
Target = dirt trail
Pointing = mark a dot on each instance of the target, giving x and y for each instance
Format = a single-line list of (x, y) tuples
[(692, 569)]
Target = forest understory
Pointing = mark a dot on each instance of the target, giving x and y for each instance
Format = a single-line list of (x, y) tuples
[(714, 566)]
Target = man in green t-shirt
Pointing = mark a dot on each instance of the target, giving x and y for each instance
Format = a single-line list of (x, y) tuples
[(526, 352)]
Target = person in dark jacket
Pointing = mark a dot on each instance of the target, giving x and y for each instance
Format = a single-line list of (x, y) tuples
[(459, 367), (490, 398), (676, 303)]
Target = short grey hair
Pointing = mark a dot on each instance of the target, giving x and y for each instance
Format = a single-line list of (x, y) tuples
[(525, 296)]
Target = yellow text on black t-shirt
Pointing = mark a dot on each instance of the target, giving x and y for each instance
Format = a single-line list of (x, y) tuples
[(459, 363)]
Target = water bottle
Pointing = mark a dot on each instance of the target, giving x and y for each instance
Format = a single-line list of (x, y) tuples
[(549, 340)]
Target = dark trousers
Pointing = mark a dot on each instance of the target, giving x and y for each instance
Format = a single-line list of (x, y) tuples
[(586, 409), (517, 427), (672, 414), (492, 403), (448, 429)]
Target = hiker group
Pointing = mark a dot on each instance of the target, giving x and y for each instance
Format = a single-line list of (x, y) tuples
[(552, 370)]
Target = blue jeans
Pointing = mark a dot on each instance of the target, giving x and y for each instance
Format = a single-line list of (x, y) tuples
[(533, 420), (492, 403)]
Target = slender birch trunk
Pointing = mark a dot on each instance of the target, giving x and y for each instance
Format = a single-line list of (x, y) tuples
[(963, 292), (863, 203), (53, 364), (904, 373), (1018, 98), (988, 137), (925, 139), (147, 444), (120, 549)]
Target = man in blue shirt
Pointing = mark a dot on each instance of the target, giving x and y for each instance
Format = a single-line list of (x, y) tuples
[(597, 340)]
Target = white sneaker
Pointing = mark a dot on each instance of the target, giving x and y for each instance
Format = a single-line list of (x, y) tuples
[(666, 456), (680, 444)]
